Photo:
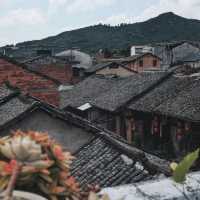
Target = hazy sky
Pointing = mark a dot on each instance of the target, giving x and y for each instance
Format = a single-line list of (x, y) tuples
[(22, 20)]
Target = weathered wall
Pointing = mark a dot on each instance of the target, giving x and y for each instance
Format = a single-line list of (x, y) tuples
[(119, 71), (147, 63), (29, 82), (102, 118), (60, 72), (165, 54), (68, 135)]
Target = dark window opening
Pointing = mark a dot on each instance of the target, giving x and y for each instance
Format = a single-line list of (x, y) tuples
[(154, 63), (76, 72), (141, 63)]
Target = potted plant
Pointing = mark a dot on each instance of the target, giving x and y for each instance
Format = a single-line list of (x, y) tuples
[(32, 159)]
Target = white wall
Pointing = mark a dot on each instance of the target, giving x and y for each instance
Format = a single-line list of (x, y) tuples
[(164, 189)]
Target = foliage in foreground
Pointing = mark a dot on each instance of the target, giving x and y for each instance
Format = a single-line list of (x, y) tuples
[(35, 159), (180, 170)]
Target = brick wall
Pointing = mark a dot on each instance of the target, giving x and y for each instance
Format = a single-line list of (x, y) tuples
[(147, 63), (60, 72), (29, 82)]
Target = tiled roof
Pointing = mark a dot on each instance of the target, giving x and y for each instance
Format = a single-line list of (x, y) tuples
[(103, 164), (105, 159), (5, 92), (103, 65), (185, 105), (98, 67), (107, 162), (176, 97), (110, 93), (13, 108), (168, 89), (86, 90), (130, 58)]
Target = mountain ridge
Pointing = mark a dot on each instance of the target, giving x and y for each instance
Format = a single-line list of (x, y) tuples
[(163, 28)]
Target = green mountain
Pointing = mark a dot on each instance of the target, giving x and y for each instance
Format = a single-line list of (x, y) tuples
[(163, 28)]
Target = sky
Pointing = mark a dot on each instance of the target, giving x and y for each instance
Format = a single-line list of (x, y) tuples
[(22, 20)]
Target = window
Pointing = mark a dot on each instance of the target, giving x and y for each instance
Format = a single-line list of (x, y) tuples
[(154, 62), (76, 72), (141, 63)]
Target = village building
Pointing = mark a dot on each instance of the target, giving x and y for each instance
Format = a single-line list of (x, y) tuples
[(141, 49), (102, 99), (175, 52), (139, 63), (154, 111), (110, 68), (167, 116), (192, 60), (188, 65), (80, 62), (102, 157), (26, 113), (29, 81)]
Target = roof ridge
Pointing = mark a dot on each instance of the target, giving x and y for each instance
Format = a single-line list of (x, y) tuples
[(9, 97), (32, 59), (151, 87)]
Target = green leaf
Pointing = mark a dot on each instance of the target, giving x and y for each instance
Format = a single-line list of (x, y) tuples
[(182, 169)]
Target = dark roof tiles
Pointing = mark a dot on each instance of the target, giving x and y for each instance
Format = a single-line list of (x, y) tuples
[(104, 164), (185, 105), (98, 67), (110, 93), (168, 89), (5, 92), (12, 109), (176, 97)]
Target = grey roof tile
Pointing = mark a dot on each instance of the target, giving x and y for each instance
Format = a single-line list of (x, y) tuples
[(177, 97), (99, 66), (109, 93), (12, 109), (5, 92), (102, 163)]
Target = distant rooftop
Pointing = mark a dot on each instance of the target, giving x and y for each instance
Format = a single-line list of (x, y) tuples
[(85, 61)]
